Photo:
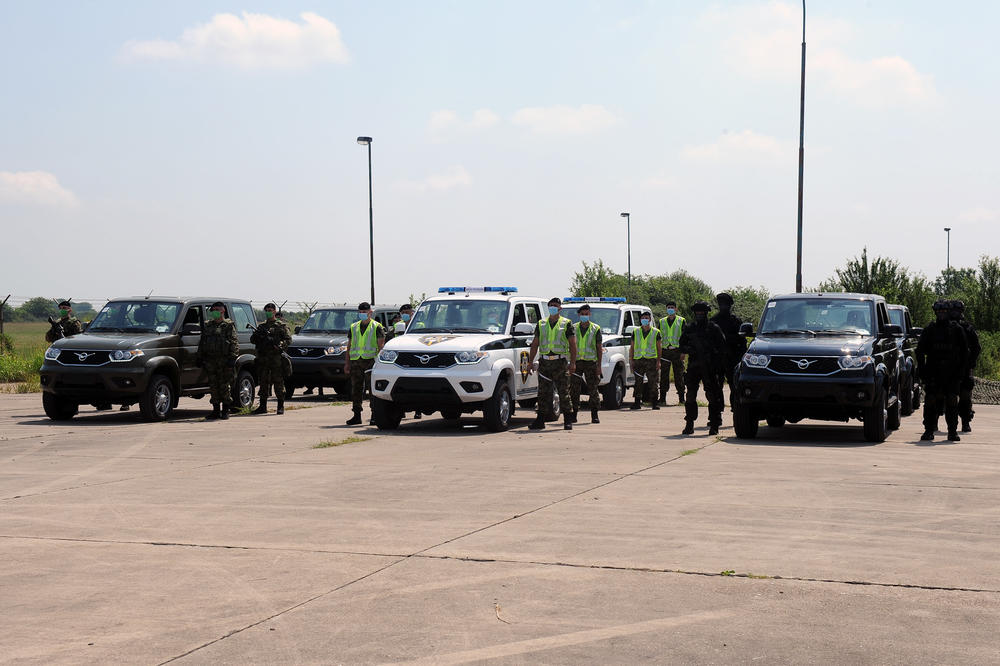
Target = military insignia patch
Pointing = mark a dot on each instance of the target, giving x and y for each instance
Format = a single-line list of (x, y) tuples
[(435, 339), (524, 366)]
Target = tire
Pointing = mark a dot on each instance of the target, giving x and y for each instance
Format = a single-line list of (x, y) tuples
[(906, 397), (775, 421), (386, 414), (745, 424), (916, 397), (892, 419), (498, 409), (59, 409), (243, 390), (614, 392), (157, 400), (451, 413), (876, 418)]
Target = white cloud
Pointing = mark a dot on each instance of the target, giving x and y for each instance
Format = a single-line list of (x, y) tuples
[(763, 40), (565, 119), (38, 188), (250, 41), (746, 147), (450, 178), (447, 120), (980, 214)]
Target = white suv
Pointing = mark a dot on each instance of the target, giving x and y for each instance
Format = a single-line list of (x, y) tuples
[(464, 350), (616, 318)]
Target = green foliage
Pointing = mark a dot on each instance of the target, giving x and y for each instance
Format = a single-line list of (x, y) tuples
[(596, 279), (983, 306), (749, 302), (679, 286), (37, 308), (886, 278), (988, 366), (955, 283)]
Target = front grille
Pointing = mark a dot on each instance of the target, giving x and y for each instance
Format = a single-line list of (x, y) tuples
[(424, 389), (82, 357), (306, 352), (817, 365), (415, 360)]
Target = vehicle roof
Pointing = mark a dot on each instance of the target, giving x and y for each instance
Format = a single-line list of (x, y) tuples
[(179, 299), (483, 296), (836, 295), (354, 306), (896, 306)]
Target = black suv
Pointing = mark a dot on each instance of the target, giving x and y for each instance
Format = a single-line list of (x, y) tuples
[(831, 357), (319, 347), (909, 382), (142, 350)]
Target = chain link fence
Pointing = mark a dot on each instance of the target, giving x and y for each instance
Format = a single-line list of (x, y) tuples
[(986, 392)]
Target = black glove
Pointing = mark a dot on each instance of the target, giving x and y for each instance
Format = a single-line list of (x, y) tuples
[(231, 363)]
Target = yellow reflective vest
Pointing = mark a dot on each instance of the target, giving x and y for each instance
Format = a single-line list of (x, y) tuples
[(364, 344), (644, 345), (671, 333), (586, 343), (553, 339)]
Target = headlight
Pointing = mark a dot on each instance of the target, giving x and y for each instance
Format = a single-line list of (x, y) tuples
[(853, 362), (52, 354), (469, 356), (122, 355), (387, 356), (756, 360), (335, 351)]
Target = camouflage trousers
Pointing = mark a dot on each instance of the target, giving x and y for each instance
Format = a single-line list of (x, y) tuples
[(647, 379), (591, 377), (552, 376), (269, 373), (360, 380), (220, 382)]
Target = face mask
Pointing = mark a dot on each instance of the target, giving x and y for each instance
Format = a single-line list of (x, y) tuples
[(362, 316), (584, 318), (671, 312), (214, 314), (406, 317), (268, 314), (700, 317), (553, 311), (64, 313), (644, 322)]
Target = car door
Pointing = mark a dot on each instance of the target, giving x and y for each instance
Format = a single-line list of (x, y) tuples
[(628, 320), (887, 351), (525, 385), (243, 318), (192, 322)]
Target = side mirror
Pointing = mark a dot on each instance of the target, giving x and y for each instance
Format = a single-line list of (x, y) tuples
[(399, 328), (746, 329), (524, 328), (917, 331), (891, 330), (297, 329), (629, 330), (191, 329), (249, 327)]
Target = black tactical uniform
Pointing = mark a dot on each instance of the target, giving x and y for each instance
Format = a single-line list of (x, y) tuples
[(942, 355), (736, 344), (965, 411), (705, 344)]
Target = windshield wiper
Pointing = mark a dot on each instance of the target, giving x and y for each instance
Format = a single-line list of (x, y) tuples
[(140, 329), (789, 331), (107, 328), (436, 330), (842, 331), (468, 329)]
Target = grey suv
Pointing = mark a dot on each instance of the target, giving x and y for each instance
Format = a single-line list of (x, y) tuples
[(142, 351)]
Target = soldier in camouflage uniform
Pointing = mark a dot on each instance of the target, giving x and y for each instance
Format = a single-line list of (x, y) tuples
[(589, 348), (364, 341), (65, 326), (556, 340), (217, 352), (644, 356), (271, 339)]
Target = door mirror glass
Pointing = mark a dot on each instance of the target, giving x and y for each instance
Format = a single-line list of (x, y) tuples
[(191, 329), (524, 328), (746, 329), (890, 330), (297, 329), (629, 330), (916, 330)]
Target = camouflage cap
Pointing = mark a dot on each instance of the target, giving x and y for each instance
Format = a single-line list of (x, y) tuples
[(65, 304), (271, 305), (217, 304)]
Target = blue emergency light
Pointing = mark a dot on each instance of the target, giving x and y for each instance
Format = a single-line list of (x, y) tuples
[(594, 299), (469, 290)]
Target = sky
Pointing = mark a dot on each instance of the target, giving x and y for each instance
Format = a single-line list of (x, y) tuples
[(203, 148)]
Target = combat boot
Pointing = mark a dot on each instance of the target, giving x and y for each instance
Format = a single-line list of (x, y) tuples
[(571, 416), (953, 436), (594, 418), (214, 415), (263, 407), (281, 406), (224, 413), (662, 402), (680, 398), (416, 415), (656, 405), (713, 430), (568, 421), (637, 404), (928, 436), (537, 424), (356, 419), (966, 426), (688, 428)]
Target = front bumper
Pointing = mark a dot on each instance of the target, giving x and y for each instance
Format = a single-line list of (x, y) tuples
[(842, 394), (326, 371), (457, 385), (104, 384)]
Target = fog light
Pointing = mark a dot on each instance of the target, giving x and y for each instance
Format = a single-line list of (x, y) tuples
[(381, 384), (746, 391), (862, 395), (471, 387), (45, 380)]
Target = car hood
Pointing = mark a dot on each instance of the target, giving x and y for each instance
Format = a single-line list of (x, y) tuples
[(442, 341), (318, 340), (820, 345), (94, 341)]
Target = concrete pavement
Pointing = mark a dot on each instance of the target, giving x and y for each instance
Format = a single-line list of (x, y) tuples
[(238, 542)]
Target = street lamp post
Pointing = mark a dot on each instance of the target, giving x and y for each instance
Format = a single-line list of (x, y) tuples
[(628, 244), (802, 127), (367, 141), (948, 255)]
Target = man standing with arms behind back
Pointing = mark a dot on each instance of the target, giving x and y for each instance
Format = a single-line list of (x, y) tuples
[(364, 341), (671, 357), (644, 357), (736, 344), (218, 349), (704, 343), (271, 339)]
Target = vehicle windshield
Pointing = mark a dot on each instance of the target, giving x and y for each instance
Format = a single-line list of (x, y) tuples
[(460, 316), (605, 318), (816, 315), (136, 316), (336, 320), (896, 317)]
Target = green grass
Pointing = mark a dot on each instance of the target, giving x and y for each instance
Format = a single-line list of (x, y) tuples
[(20, 365), (689, 452), (353, 439)]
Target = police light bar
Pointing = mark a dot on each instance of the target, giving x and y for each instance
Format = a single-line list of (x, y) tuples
[(594, 299), (469, 290)]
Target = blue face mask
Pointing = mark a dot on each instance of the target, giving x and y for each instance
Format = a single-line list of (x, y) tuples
[(644, 322), (671, 311), (406, 317), (584, 318), (553, 311), (362, 316)]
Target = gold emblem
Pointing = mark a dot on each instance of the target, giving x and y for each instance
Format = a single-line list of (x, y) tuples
[(435, 339), (524, 366)]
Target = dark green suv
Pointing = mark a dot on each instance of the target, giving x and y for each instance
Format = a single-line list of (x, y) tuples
[(142, 351)]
